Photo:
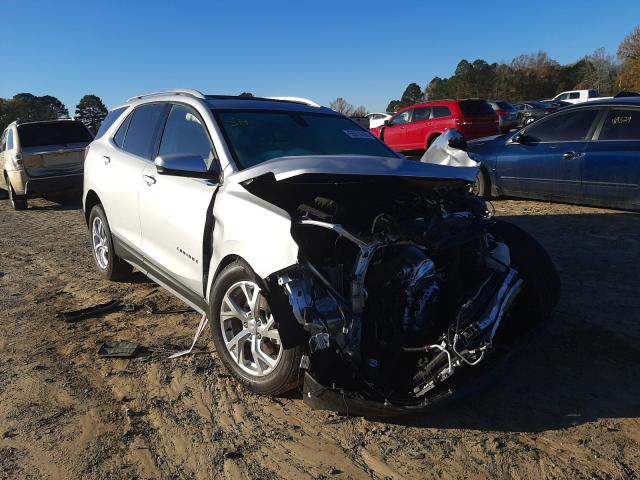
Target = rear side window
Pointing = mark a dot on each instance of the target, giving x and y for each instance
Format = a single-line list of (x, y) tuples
[(120, 135), (440, 111), (53, 133), (421, 113), (144, 129), (10, 140), (566, 127), (184, 133), (621, 124), (476, 107), (593, 94), (574, 95), (111, 117)]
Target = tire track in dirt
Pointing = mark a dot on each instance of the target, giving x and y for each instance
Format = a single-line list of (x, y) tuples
[(64, 413)]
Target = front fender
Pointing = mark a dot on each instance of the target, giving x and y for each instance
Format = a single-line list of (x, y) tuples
[(250, 228)]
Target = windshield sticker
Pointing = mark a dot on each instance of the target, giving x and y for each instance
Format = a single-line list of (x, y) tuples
[(359, 134), (621, 120), (235, 122)]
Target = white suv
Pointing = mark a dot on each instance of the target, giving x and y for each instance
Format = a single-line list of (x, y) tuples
[(307, 242)]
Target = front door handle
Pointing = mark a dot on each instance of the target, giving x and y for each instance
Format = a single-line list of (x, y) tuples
[(149, 179), (570, 155), (106, 159)]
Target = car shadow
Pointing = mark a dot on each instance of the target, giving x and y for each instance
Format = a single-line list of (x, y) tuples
[(584, 367), (62, 201)]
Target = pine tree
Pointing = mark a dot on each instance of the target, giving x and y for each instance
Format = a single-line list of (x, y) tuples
[(91, 111)]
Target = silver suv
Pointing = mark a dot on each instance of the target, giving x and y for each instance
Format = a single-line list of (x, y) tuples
[(309, 244), (41, 157)]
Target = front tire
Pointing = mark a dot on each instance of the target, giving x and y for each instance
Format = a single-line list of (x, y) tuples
[(18, 202), (480, 188), (246, 336), (109, 264)]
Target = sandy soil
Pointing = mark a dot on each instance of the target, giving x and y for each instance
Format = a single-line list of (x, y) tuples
[(569, 406)]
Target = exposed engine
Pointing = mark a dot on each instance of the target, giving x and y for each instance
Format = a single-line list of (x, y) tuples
[(420, 292), (396, 291)]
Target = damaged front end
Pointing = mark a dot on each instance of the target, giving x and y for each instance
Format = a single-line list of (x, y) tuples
[(401, 288)]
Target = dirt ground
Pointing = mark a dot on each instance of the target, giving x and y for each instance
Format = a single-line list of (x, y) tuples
[(568, 407)]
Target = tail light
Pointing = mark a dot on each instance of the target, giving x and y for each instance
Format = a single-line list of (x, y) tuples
[(86, 151), (16, 159), (501, 113), (548, 110)]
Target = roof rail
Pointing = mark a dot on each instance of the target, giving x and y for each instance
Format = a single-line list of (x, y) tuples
[(174, 91), (305, 101)]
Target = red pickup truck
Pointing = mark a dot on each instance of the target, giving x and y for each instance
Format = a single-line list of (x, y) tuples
[(414, 128)]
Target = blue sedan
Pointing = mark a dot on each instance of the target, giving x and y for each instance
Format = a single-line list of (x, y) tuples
[(587, 154)]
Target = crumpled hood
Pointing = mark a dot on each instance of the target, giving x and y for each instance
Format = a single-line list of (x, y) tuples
[(287, 167)]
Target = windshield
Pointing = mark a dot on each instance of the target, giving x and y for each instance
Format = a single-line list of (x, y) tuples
[(53, 133), (256, 136)]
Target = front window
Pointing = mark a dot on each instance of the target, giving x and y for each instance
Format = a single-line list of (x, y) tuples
[(400, 118), (184, 134), (566, 127), (255, 136)]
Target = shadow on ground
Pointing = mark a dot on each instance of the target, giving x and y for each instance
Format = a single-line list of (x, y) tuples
[(59, 202), (585, 366)]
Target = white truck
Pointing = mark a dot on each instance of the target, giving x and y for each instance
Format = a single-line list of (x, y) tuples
[(577, 96)]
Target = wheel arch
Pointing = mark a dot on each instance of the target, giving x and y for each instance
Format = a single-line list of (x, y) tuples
[(91, 200), (431, 138), (487, 180)]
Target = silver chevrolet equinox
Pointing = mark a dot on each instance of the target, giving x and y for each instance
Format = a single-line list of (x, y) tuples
[(319, 255)]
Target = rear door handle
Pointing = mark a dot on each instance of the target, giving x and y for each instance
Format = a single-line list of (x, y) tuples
[(149, 179), (570, 155), (106, 159)]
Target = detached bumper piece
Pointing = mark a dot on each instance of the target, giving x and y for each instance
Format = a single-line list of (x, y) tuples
[(321, 397)]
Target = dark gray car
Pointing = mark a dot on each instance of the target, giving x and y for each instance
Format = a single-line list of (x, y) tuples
[(529, 111), (507, 114)]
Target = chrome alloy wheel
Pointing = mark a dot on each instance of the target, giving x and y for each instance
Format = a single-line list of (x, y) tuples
[(248, 329), (100, 245)]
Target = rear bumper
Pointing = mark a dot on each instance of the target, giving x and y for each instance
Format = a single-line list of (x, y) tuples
[(507, 124), (35, 186)]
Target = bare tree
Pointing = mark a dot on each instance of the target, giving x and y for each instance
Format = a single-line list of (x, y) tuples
[(601, 71), (361, 111), (629, 54), (340, 105)]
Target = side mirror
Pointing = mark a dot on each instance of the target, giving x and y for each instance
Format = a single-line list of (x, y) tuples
[(387, 123), (184, 165), (522, 138)]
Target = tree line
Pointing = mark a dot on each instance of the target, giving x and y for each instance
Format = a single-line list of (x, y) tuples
[(27, 107), (534, 76)]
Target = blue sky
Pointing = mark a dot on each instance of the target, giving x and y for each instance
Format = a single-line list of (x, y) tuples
[(366, 52)]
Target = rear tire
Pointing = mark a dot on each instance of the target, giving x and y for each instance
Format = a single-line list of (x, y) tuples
[(108, 263), (246, 338), (432, 139), (18, 202)]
